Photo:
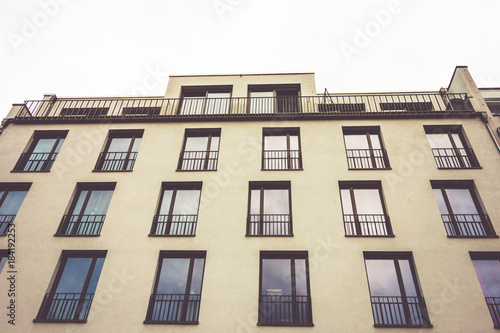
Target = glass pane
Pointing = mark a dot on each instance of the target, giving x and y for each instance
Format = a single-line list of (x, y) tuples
[(408, 282), (262, 102), (98, 202), (165, 204), (375, 140), (345, 195), (74, 275), (294, 142), (197, 278), (217, 103), (255, 202), (59, 145), (276, 277), (13, 202), (275, 143), (44, 145), (173, 276), (368, 201), (95, 275), (193, 105), (382, 277), (2, 263), (196, 143), (214, 145), (119, 145), (135, 146), (356, 141), (439, 140), (440, 201), (300, 277), (488, 273), (186, 202), (457, 140), (276, 202), (79, 202), (461, 201)]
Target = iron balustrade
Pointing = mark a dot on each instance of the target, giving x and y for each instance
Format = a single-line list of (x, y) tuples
[(494, 307), (5, 222), (116, 161), (290, 107), (467, 225), (175, 224), (35, 162), (399, 311), (65, 306), (198, 160), (453, 158), (174, 308), (281, 160), (81, 225), (284, 309), (367, 225), (367, 159), (269, 225)]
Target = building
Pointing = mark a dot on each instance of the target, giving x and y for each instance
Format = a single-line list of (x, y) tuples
[(237, 203)]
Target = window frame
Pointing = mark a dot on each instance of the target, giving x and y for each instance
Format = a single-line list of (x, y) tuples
[(6, 188), (4, 254), (119, 134), (276, 107), (200, 132), (492, 302), (187, 90), (286, 132), (368, 131)]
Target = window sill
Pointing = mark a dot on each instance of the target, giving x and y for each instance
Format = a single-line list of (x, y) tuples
[(300, 169), (22, 171), (52, 321), (404, 326), (464, 168), (156, 322), (247, 235), (62, 235), (389, 168), (487, 236), (197, 170), (112, 170), (285, 324), (370, 236), (155, 235)]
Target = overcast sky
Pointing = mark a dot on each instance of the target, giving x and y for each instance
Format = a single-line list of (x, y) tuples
[(123, 48)]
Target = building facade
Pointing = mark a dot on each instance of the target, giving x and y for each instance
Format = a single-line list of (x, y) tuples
[(251, 203)]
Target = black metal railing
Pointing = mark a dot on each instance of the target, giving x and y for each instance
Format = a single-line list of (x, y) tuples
[(5, 221), (397, 311), (35, 162), (417, 104), (467, 225), (367, 225), (198, 160), (178, 225), (65, 306), (281, 160), (285, 309), (494, 307), (82, 225), (453, 158), (174, 308), (367, 159), (116, 161), (269, 225)]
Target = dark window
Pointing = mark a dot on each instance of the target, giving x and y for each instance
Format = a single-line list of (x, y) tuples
[(177, 290), (284, 293), (200, 150), (88, 210), (281, 149), (177, 213), (4, 255), (70, 296), (41, 152), (205, 100), (341, 107), (394, 291), (364, 148), (11, 198), (487, 266), (142, 111), (407, 107), (456, 103), (120, 152), (461, 209), (269, 209), (84, 112), (494, 108), (281, 99), (364, 210), (450, 148)]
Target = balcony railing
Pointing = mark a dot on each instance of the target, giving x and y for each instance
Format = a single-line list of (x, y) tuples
[(399, 311), (116, 161), (455, 158), (467, 225), (173, 308), (281, 160), (367, 225), (285, 309), (291, 107), (174, 225), (198, 160), (367, 159), (494, 307), (65, 306), (35, 162), (5, 221), (81, 225), (269, 225)]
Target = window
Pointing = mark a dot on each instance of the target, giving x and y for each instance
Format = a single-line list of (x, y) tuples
[(200, 151), (4, 256), (461, 209), (449, 147), (84, 112), (407, 107), (364, 210), (205, 100), (177, 290), (142, 111), (41, 152), (120, 152), (70, 296), (364, 149), (11, 198), (269, 209), (281, 149), (177, 213), (394, 291), (88, 210), (487, 266), (284, 293), (274, 99)]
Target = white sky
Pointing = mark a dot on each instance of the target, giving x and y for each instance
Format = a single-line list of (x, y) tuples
[(111, 48)]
